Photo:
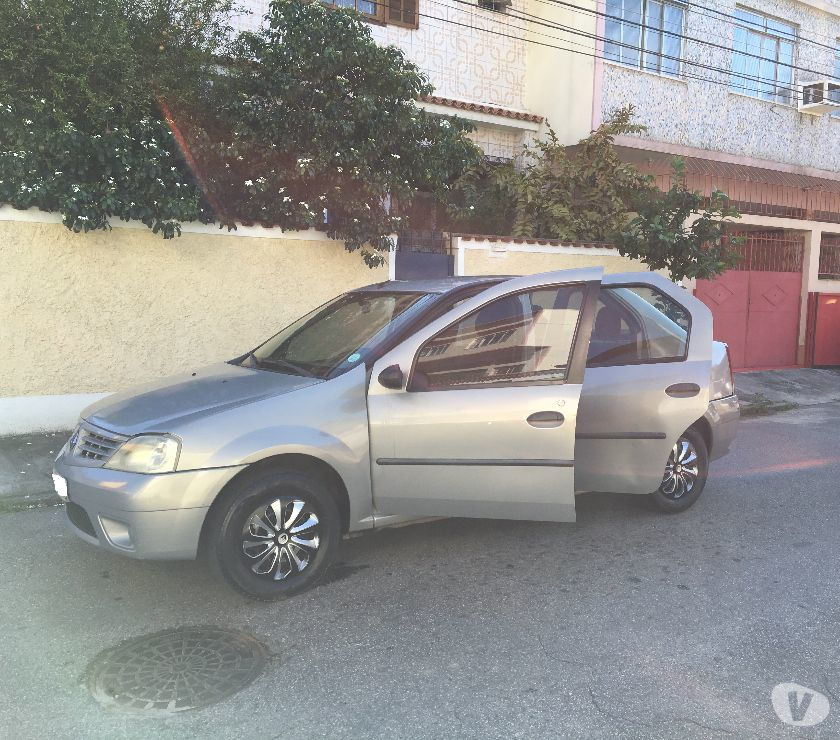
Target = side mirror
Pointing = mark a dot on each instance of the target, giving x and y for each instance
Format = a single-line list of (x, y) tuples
[(391, 377)]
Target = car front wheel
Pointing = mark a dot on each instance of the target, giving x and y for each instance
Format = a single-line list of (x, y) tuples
[(685, 473), (274, 535)]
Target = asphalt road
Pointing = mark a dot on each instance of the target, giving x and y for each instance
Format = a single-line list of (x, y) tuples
[(628, 624)]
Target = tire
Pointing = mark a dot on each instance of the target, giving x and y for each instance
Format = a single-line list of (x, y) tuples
[(683, 483), (274, 535)]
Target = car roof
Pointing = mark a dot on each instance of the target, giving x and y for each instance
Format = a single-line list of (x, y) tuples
[(434, 285), (446, 284)]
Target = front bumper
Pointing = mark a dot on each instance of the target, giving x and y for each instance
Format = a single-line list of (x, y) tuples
[(141, 516), (723, 416)]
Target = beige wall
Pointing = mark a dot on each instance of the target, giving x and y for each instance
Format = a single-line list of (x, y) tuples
[(489, 262), (98, 312), (558, 83)]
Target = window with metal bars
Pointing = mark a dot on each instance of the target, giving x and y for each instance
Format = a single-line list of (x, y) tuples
[(829, 268), (645, 34), (763, 51), (769, 251)]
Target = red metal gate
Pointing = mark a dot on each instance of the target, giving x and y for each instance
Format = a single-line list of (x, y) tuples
[(827, 330), (756, 305)]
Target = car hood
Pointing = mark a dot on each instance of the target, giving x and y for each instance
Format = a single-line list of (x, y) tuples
[(163, 405)]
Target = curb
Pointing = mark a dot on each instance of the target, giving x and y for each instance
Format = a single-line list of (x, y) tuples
[(759, 405)]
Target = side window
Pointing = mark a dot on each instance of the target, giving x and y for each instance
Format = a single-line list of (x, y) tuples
[(635, 324), (616, 333), (517, 338)]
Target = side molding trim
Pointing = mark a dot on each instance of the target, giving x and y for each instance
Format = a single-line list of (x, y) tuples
[(498, 462), (620, 435)]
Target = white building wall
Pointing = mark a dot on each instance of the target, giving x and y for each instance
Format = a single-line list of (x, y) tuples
[(710, 115), (461, 61)]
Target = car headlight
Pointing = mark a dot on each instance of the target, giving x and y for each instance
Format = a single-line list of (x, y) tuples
[(146, 453)]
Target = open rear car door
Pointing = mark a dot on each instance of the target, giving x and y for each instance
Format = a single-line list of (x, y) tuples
[(647, 381)]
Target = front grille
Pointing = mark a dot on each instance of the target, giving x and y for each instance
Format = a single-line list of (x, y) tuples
[(80, 518), (95, 446)]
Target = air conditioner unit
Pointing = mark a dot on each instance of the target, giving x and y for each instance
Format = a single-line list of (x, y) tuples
[(818, 97), (500, 6)]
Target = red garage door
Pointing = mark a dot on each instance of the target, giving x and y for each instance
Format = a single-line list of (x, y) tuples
[(756, 306), (827, 332)]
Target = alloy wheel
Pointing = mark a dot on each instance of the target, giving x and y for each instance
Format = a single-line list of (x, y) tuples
[(281, 538), (681, 470)]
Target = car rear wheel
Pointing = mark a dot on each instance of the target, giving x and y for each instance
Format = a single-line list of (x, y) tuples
[(685, 473), (274, 535)]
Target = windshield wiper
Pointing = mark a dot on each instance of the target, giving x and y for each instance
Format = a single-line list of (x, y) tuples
[(278, 363)]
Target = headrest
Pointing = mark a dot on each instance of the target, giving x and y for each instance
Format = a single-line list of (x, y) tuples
[(607, 324)]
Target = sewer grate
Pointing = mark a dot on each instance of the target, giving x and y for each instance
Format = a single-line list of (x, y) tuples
[(175, 670)]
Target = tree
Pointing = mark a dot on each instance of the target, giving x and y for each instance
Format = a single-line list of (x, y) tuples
[(80, 130), (316, 125), (306, 123), (587, 193), (578, 193), (680, 231)]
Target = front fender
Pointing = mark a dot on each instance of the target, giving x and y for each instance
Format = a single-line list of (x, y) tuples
[(352, 467), (327, 422), (258, 444)]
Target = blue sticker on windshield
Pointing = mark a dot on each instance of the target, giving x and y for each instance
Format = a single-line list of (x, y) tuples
[(355, 356)]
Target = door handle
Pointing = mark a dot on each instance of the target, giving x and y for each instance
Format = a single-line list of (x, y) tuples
[(546, 419), (682, 390)]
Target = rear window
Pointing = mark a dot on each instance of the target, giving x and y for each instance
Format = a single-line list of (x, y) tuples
[(636, 324)]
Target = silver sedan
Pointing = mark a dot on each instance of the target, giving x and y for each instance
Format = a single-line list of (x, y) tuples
[(471, 397)]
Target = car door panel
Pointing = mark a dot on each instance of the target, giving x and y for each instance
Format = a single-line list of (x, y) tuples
[(471, 450), (473, 453), (631, 415), (628, 424)]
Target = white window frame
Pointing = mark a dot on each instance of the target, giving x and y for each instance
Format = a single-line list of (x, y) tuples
[(636, 32), (753, 80)]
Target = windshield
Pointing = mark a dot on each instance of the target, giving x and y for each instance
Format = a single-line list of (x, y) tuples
[(339, 335)]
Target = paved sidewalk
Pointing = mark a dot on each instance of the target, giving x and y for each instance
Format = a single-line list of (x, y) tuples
[(769, 391), (26, 468)]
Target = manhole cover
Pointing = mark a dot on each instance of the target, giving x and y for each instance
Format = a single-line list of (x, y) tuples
[(175, 670)]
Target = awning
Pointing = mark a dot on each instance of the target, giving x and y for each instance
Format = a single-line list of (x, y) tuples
[(754, 190)]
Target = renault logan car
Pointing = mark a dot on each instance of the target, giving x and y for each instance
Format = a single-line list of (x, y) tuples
[(467, 397)]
